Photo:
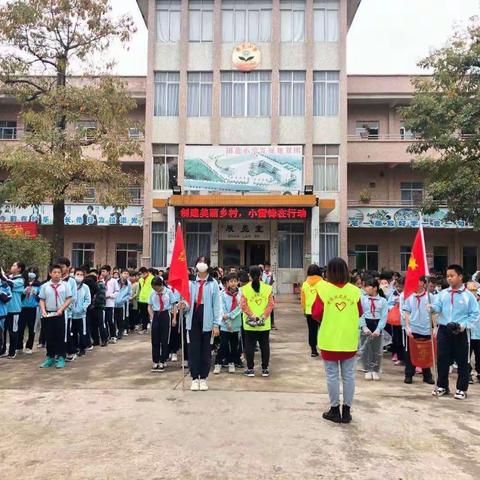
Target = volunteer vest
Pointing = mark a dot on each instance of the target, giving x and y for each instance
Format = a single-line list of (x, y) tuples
[(145, 289), (257, 302), (310, 291), (339, 328)]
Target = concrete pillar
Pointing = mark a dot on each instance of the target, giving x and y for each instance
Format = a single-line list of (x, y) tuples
[(214, 255), (275, 52), (315, 236), (274, 254), (171, 228)]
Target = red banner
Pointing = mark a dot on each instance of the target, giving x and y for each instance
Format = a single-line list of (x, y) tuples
[(16, 229), (237, 213)]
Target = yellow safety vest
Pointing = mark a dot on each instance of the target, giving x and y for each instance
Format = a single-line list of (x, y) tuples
[(339, 330), (310, 292), (146, 288), (257, 302)]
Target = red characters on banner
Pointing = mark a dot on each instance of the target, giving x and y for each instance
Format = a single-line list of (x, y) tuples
[(15, 229), (238, 213)]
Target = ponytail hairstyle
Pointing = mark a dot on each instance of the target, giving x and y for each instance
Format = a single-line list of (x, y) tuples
[(255, 274)]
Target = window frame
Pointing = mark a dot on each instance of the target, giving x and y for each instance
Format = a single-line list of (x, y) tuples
[(369, 249), (200, 82), (78, 247), (405, 254), (203, 7), (202, 229), (163, 6), (412, 191), (324, 234), (157, 101), (364, 130), (8, 126), (160, 229), (165, 154), (324, 157), (326, 82), (293, 6), (130, 247), (291, 81), (289, 233), (325, 6)]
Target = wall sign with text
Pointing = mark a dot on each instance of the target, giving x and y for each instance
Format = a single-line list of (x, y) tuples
[(245, 213), (248, 230)]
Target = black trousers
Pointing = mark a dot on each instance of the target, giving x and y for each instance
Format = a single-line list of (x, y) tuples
[(174, 343), (160, 336), (120, 320), (27, 319), (78, 337), (143, 314), (475, 349), (272, 318), (11, 329), (312, 332), (98, 325), (110, 322), (199, 348), (397, 340), (452, 348), (132, 317), (251, 339), (228, 351), (55, 336), (409, 367)]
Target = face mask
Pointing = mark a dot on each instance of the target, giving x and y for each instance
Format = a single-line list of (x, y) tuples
[(78, 278), (202, 267), (32, 276)]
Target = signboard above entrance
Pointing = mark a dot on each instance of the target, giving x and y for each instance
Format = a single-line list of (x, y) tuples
[(234, 213), (248, 230)]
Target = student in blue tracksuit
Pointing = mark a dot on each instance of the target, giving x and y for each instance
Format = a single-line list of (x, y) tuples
[(230, 325), (457, 311), (16, 282), (5, 297), (78, 341), (372, 323), (120, 312), (67, 276), (160, 305), (30, 311), (474, 287)]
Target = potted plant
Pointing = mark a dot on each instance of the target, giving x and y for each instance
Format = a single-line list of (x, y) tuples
[(365, 196)]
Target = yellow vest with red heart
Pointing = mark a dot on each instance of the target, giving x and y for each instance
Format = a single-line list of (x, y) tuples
[(257, 302), (339, 329), (310, 293)]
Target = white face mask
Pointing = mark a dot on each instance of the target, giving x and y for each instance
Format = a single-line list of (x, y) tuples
[(78, 278), (32, 276), (202, 267)]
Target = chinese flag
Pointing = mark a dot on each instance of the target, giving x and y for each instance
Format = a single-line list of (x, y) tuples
[(417, 265), (178, 274)]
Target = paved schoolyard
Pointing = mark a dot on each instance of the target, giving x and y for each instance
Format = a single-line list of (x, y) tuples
[(107, 417)]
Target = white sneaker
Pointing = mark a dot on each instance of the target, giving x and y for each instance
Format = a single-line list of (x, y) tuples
[(217, 369), (174, 357), (71, 358), (460, 395), (203, 385), (28, 351), (113, 340), (185, 364), (125, 333), (231, 368), (369, 376), (375, 376), (195, 385)]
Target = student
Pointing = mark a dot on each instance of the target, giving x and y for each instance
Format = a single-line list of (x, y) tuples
[(133, 302), (28, 315), (202, 322), (121, 304), (229, 326), (5, 297), (68, 275), (16, 282), (145, 284), (257, 304), (160, 304), (111, 291), (267, 278), (372, 323), (340, 309), (458, 310), (96, 312), (417, 325), (55, 298), (396, 300), (77, 342), (175, 330), (308, 296), (474, 287)]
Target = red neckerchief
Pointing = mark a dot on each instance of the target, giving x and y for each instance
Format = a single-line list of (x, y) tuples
[(160, 300), (419, 297), (372, 305), (452, 292), (234, 299), (55, 287), (200, 292)]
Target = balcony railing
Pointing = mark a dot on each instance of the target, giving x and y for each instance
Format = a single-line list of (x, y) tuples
[(14, 133), (389, 203), (9, 133), (136, 196), (386, 137)]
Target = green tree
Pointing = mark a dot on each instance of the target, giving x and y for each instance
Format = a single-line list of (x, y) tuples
[(57, 159), (445, 113)]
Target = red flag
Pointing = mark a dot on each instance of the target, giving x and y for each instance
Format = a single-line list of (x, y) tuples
[(417, 265), (178, 274)]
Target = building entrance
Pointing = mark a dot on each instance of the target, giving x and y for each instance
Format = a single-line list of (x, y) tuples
[(257, 252), (243, 253)]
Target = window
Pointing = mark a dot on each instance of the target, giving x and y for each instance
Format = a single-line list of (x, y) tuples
[(369, 129), (292, 93), (90, 195), (290, 245), (167, 85), (87, 129), (326, 94), (470, 260), (325, 168), (198, 237), (328, 242), (165, 166), (292, 20), (135, 194), (83, 254), (159, 244), (8, 130), (405, 134), (367, 257), (127, 255), (168, 21), (326, 20), (411, 192), (405, 252), (135, 133), (246, 94), (247, 20), (200, 20), (440, 259), (200, 94)]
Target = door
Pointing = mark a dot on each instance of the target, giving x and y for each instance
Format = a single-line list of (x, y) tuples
[(257, 252), (231, 253)]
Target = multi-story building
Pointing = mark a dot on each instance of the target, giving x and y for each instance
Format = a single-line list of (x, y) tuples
[(246, 131), (93, 234)]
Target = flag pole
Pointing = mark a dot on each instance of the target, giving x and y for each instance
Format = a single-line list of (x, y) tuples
[(183, 350)]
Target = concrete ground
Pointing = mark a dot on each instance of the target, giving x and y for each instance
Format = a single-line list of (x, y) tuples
[(107, 417)]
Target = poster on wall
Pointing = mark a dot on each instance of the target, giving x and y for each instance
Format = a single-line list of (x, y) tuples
[(244, 168), (75, 214)]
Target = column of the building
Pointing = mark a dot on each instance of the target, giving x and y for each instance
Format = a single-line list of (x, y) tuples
[(171, 228), (275, 60), (274, 253), (216, 64), (309, 58), (315, 236)]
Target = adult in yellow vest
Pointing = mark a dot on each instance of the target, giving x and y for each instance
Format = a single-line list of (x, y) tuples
[(146, 290), (308, 296), (338, 336), (257, 305)]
